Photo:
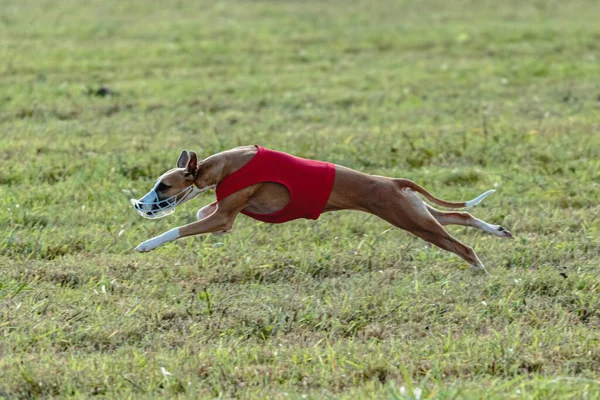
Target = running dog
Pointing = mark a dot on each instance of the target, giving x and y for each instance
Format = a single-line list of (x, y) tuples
[(276, 187)]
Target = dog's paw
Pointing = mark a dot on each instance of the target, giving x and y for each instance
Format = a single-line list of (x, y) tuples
[(504, 233), (147, 246), (479, 268)]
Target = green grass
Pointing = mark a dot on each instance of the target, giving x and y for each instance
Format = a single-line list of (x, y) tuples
[(460, 96)]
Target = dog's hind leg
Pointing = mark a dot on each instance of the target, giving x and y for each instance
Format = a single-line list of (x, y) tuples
[(407, 211), (466, 219), (444, 240)]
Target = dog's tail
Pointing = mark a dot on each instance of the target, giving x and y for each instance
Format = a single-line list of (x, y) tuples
[(408, 184)]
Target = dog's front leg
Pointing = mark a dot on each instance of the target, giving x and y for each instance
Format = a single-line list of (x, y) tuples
[(219, 221), (214, 223), (153, 243)]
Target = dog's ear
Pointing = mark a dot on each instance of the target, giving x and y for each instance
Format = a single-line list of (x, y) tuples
[(192, 165), (183, 159)]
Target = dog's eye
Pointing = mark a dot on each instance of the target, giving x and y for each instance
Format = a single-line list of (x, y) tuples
[(162, 187)]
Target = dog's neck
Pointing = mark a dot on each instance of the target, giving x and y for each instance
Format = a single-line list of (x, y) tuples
[(212, 170)]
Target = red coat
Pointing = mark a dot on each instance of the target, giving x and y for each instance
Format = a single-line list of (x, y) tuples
[(309, 183)]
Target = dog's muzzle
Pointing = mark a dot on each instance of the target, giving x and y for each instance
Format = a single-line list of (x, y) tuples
[(155, 208)]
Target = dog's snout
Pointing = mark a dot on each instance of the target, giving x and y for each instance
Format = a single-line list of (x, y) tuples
[(146, 203), (150, 197), (140, 206), (152, 206)]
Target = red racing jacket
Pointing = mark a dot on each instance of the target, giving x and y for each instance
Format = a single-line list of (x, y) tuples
[(309, 183)]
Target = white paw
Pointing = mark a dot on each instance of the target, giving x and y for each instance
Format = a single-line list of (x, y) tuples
[(500, 231), (479, 268), (153, 243), (147, 246)]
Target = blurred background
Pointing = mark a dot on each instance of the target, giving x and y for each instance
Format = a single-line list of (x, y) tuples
[(98, 98)]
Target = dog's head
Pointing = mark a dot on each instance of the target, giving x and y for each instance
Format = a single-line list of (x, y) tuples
[(171, 189)]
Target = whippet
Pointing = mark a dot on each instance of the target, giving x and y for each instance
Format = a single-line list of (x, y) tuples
[(276, 187)]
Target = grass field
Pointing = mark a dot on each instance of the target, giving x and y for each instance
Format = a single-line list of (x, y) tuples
[(98, 98)]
